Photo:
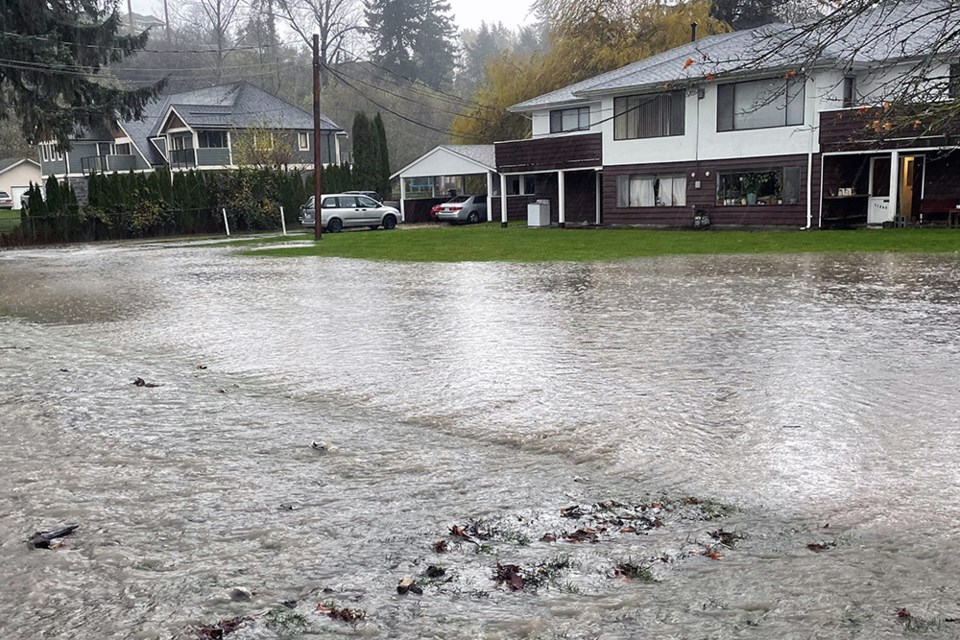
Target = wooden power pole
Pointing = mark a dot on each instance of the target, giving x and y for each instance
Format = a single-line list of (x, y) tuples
[(317, 163)]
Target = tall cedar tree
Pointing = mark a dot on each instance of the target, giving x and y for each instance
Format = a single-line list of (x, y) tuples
[(413, 38), (365, 153), (383, 171), (55, 51)]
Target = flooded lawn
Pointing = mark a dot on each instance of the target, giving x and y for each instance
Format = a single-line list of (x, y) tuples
[(684, 447)]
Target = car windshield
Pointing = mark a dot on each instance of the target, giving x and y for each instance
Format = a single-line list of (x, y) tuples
[(459, 199)]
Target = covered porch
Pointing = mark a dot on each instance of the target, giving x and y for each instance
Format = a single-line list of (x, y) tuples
[(563, 170), (900, 187), (425, 182)]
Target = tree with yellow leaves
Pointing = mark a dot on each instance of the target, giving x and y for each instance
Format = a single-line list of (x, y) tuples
[(587, 38)]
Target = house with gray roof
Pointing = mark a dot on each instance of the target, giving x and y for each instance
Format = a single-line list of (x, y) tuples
[(782, 125), (221, 127)]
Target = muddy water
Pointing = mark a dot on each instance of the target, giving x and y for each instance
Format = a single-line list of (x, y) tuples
[(816, 394)]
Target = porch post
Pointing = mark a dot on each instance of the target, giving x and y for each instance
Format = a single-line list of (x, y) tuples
[(562, 212), (599, 186), (503, 200), (403, 193), (894, 183), (489, 196)]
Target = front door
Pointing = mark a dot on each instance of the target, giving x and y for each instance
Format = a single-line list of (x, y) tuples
[(911, 186), (878, 206)]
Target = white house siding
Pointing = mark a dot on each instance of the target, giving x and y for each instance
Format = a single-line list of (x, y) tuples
[(541, 119), (875, 85), (704, 142), (16, 180)]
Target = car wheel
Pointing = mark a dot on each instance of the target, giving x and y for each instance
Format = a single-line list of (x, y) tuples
[(334, 225), (473, 217), (389, 222)]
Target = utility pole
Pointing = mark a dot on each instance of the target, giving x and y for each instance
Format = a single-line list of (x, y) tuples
[(166, 20), (317, 163)]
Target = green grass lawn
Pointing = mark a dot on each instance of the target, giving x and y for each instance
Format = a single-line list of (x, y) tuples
[(9, 219), (488, 242)]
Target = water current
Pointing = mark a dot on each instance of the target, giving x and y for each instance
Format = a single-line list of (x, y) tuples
[(791, 400)]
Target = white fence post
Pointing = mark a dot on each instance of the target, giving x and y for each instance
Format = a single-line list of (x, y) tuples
[(283, 223), (225, 222)]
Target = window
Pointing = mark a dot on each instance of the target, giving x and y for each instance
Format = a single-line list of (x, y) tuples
[(123, 149), (45, 153), (649, 116), (760, 104), (212, 139), (521, 186), (652, 191), (953, 85), (576, 119), (103, 149), (761, 187), (849, 92), (303, 140)]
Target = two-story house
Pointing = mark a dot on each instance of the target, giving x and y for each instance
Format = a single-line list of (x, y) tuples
[(220, 127), (742, 128)]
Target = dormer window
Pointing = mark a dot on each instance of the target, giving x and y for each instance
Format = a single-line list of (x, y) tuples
[(574, 119)]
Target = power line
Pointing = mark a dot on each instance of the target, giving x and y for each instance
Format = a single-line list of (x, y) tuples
[(24, 36)]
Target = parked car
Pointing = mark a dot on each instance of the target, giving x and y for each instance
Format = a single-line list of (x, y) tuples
[(464, 209), (370, 194), (339, 210), (6, 201)]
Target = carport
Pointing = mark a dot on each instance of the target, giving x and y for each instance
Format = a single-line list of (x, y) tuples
[(426, 181)]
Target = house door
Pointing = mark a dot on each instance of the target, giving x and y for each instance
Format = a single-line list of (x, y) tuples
[(878, 205), (911, 186)]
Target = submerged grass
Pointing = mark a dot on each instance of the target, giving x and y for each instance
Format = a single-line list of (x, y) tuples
[(517, 243)]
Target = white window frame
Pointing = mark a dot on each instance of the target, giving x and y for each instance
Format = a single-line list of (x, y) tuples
[(629, 196), (303, 140)]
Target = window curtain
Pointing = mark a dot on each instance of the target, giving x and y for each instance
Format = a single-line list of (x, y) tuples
[(679, 191), (642, 191), (623, 191)]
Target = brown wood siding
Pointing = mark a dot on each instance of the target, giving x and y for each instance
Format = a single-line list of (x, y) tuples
[(542, 154), (705, 198), (418, 210), (855, 130)]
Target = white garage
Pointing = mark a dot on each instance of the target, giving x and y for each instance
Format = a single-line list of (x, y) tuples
[(16, 174)]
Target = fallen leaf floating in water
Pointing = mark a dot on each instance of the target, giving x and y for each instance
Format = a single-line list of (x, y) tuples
[(140, 382), (821, 546), (510, 575)]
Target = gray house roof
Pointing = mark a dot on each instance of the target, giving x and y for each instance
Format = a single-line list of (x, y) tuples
[(231, 106), (481, 153), (8, 163), (890, 31)]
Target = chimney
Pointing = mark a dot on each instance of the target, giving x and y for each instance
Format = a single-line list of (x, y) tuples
[(693, 32)]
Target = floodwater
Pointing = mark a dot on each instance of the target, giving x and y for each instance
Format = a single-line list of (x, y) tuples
[(818, 395)]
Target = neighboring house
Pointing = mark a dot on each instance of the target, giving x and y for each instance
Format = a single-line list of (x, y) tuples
[(16, 174), (221, 127), (701, 131)]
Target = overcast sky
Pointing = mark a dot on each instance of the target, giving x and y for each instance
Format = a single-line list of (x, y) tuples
[(468, 13)]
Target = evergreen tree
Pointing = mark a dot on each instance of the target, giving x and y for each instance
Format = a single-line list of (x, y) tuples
[(382, 184), (413, 38), (46, 42), (365, 153)]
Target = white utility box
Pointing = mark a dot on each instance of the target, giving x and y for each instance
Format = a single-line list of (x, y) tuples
[(538, 214)]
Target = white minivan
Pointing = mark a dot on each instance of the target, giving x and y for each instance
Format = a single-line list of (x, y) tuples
[(341, 210)]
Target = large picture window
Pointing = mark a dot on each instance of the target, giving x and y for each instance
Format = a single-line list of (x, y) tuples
[(651, 190), (760, 187), (212, 139), (760, 104), (649, 116), (576, 119)]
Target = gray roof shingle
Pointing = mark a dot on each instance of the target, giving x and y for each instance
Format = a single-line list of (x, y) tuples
[(890, 31)]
